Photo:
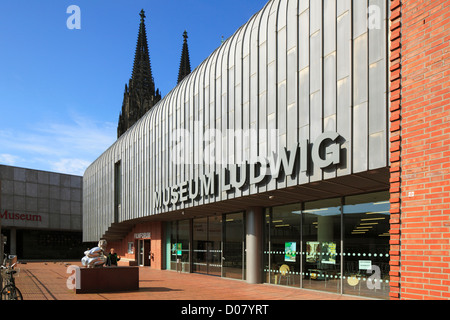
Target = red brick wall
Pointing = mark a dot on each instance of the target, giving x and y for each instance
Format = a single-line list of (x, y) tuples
[(420, 149), (157, 243), (395, 190)]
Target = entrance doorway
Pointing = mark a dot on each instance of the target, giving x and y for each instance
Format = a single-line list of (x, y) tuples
[(213, 245), (207, 248), (144, 249)]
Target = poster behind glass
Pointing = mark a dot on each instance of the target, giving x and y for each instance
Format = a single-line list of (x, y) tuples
[(321, 252)]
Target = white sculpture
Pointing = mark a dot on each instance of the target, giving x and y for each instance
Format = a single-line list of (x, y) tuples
[(95, 257)]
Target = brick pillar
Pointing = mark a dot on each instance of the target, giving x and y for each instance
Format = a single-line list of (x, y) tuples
[(395, 148), (420, 149)]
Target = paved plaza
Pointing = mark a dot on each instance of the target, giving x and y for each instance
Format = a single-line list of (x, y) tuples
[(48, 281)]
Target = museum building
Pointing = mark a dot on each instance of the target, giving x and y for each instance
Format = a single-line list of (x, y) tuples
[(41, 213), (309, 150)]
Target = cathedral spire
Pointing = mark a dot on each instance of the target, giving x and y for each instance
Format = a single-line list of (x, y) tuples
[(185, 64), (142, 77), (140, 94)]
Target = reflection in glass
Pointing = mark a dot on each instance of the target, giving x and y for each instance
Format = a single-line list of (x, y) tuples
[(343, 244), (207, 245), (366, 245), (266, 245), (214, 247), (183, 244), (179, 246), (233, 246), (282, 259), (321, 245), (173, 229), (200, 245)]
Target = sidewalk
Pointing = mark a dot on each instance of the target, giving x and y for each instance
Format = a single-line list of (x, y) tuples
[(48, 281)]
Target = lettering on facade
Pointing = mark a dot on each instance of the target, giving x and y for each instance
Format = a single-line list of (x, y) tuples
[(20, 216), (143, 235), (324, 152)]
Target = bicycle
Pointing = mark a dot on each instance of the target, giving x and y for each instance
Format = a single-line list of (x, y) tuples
[(10, 291)]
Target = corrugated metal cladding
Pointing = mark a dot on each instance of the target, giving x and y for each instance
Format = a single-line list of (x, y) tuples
[(298, 67)]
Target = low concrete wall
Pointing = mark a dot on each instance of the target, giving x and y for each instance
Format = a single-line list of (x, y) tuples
[(126, 263)]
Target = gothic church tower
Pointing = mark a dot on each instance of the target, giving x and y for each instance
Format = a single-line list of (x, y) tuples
[(185, 63), (140, 94)]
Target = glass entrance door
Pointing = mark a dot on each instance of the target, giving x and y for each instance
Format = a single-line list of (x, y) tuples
[(214, 257), (233, 246), (143, 252), (207, 245), (199, 249)]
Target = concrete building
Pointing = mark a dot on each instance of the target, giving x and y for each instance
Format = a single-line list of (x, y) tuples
[(41, 213)]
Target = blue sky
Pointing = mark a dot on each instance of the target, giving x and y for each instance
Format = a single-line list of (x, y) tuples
[(61, 89)]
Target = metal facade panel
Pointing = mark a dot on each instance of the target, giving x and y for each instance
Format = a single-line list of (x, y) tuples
[(281, 112), (378, 83), (292, 81), (254, 94), (296, 69), (303, 77), (344, 82)]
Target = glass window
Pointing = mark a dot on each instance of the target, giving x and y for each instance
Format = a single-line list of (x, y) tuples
[(282, 257), (183, 244), (366, 245), (233, 246), (173, 244), (130, 248), (214, 257), (358, 223), (47, 244), (321, 245), (207, 245), (179, 246), (117, 189), (200, 238), (266, 253)]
